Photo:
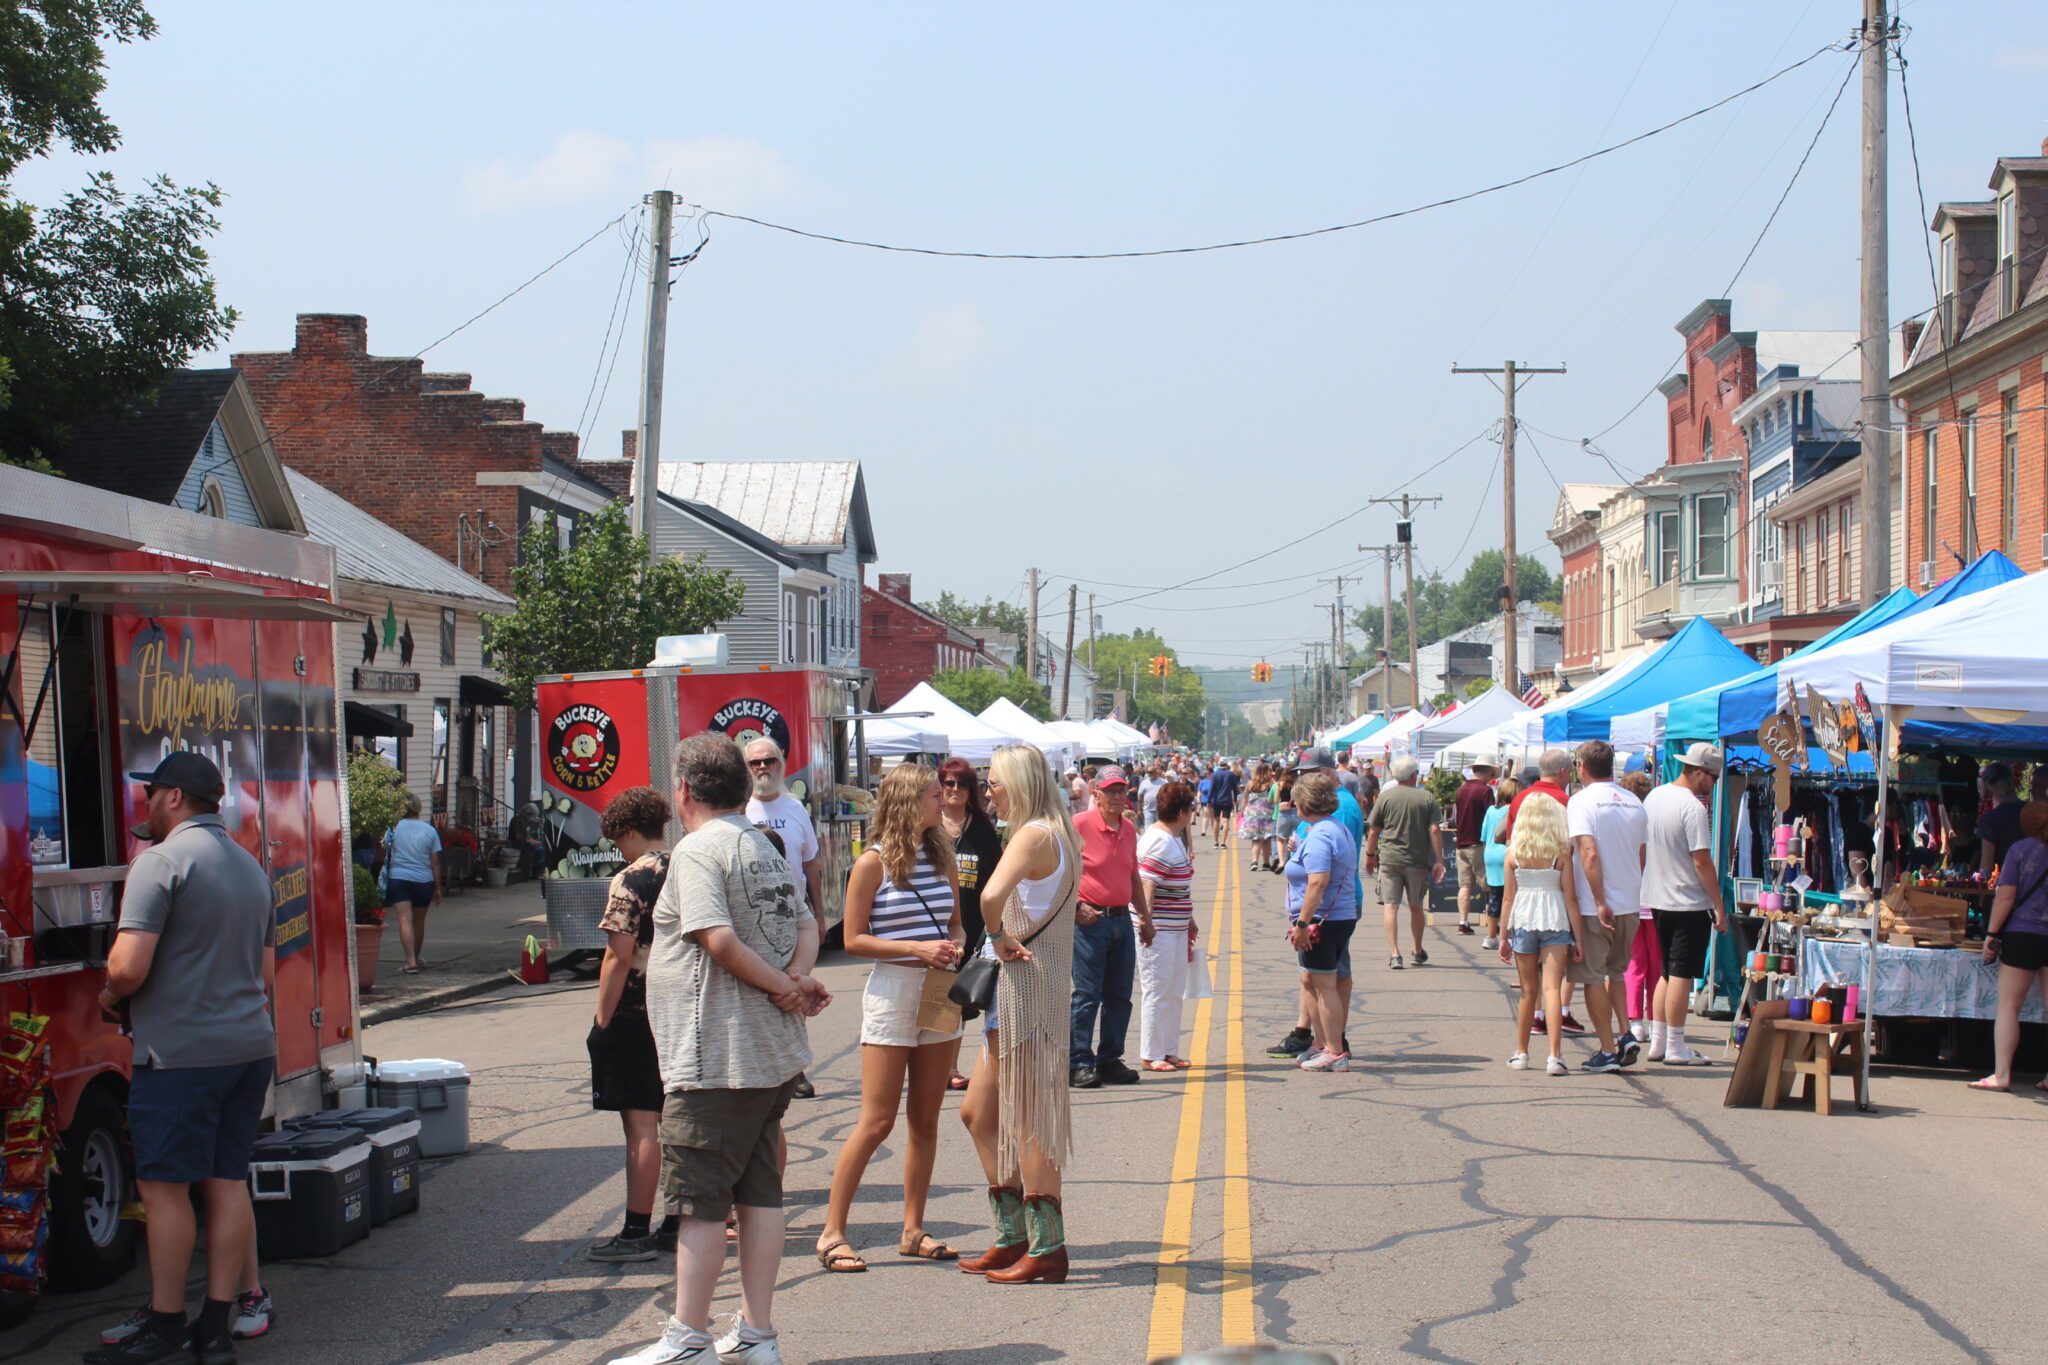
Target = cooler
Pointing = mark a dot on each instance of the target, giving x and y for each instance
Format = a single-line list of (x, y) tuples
[(438, 1091), (394, 1136), (311, 1190)]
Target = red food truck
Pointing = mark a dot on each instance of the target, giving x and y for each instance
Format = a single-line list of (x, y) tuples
[(601, 733), (129, 629)]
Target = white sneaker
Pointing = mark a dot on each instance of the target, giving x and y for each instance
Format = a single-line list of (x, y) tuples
[(1308, 1059), (1519, 1062), (1489, 943), (1686, 1058), (736, 1347), (1556, 1067), (678, 1344), (1328, 1061), (1639, 1031)]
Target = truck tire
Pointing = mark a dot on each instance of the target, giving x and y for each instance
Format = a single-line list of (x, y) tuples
[(90, 1244)]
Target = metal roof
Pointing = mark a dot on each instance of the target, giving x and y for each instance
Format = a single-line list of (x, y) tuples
[(368, 551), (799, 504)]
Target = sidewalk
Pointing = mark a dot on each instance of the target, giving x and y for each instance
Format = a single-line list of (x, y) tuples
[(473, 943)]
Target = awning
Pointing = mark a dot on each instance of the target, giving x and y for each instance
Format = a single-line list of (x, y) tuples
[(475, 691), (361, 721), (145, 593)]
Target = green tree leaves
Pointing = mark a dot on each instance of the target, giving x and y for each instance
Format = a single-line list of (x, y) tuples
[(988, 614), (1443, 607), (977, 688)]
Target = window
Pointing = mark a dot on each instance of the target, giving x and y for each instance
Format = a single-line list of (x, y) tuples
[(789, 627), (392, 747), (55, 685), (1820, 559), (814, 643), (1928, 529), (447, 635), (1968, 432), (1947, 300), (1613, 593), (439, 778), (1799, 542), (1667, 546), (1710, 536), (2009, 475), (213, 499), (1847, 522), (1707, 439), (2008, 254), (1784, 419)]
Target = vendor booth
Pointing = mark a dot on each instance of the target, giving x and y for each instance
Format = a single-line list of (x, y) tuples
[(1340, 740), (967, 734), (1487, 711), (1004, 714), (1379, 745), (1698, 654)]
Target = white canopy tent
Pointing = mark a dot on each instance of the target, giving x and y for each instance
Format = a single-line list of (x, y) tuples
[(967, 734), (1526, 731), (1005, 714), (1487, 711), (1113, 736), (887, 737), (1078, 738), (1380, 743)]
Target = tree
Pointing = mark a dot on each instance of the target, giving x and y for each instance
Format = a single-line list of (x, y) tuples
[(1478, 686), (1443, 607), (988, 614), (108, 292), (376, 794), (599, 604), (1184, 700), (977, 688)]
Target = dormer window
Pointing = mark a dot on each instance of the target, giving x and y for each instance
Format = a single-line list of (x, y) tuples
[(213, 499), (2008, 253), (1947, 300)]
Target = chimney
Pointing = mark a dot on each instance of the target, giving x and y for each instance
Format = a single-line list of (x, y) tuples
[(504, 410), (896, 585), (1909, 333), (333, 333), (559, 445), (629, 444)]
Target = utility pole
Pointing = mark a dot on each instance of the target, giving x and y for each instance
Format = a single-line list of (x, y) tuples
[(1293, 705), (1337, 678), (1876, 309), (1386, 554), (1031, 631), (653, 365), (1091, 633), (1511, 380), (1404, 537), (1067, 673)]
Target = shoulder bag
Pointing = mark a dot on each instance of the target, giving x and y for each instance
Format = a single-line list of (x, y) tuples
[(936, 1009)]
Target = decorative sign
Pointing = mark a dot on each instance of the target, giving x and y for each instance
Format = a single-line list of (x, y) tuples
[(747, 719), (1779, 737), (583, 747), (1866, 721), (1938, 677), (385, 680), (1827, 727)]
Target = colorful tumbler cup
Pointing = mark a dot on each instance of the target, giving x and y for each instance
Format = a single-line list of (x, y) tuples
[(1800, 1007), (1849, 1007), (1823, 1009)]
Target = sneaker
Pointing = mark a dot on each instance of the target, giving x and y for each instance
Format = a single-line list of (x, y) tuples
[(740, 1347), (1603, 1062), (1466, 930), (1556, 1067), (1308, 1059), (803, 1089), (145, 1345), (218, 1349), (1570, 1025), (1114, 1072), (1639, 1031), (1084, 1078), (1519, 1062), (677, 1345), (1490, 943), (1631, 1050), (664, 1236), (1394, 962), (1293, 1045), (1421, 958), (1686, 1058), (125, 1328), (621, 1249), (254, 1315), (1329, 1061)]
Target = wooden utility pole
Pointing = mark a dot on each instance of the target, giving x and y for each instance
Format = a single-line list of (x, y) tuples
[(1875, 298), (653, 365), (1511, 379), (1031, 628), (1404, 537), (1067, 673), (1386, 554)]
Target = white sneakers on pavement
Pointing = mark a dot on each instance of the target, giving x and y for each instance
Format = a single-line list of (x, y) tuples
[(1328, 1061), (1556, 1067), (1686, 1057), (1519, 1062), (743, 1345), (680, 1345), (1639, 1031)]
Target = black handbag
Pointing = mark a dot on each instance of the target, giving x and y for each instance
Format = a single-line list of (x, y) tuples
[(974, 988)]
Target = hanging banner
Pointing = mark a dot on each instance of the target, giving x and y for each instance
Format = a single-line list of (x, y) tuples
[(1827, 727)]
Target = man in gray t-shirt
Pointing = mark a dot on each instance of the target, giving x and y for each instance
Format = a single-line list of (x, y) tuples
[(729, 985)]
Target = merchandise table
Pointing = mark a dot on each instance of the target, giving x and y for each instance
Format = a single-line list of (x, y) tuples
[(1914, 983)]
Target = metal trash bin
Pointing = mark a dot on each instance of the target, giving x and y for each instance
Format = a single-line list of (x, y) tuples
[(575, 905)]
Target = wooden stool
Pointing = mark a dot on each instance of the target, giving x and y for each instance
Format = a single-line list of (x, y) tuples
[(1800, 1047)]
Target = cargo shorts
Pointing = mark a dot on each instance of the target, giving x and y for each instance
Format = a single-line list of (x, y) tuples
[(722, 1147), (1472, 870), (1409, 882), (1607, 950)]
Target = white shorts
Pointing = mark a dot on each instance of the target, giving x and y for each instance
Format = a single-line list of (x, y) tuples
[(888, 1008)]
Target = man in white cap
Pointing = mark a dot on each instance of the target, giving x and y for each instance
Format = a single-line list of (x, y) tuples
[(1681, 886)]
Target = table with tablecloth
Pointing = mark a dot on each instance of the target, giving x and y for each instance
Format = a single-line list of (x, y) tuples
[(1913, 983)]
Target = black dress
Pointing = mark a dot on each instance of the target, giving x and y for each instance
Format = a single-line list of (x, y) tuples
[(978, 851)]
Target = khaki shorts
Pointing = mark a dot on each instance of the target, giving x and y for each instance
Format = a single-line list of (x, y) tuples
[(1607, 950), (720, 1147), (1472, 869), (888, 1008), (1413, 881)]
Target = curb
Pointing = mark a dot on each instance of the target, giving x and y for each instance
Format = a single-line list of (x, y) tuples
[(384, 1013)]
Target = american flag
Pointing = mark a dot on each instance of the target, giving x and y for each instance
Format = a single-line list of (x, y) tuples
[(1425, 708), (1532, 696)]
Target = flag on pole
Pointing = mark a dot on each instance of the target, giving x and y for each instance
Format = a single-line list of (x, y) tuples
[(1532, 696)]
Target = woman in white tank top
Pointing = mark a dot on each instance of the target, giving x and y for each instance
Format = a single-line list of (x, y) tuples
[(1540, 922)]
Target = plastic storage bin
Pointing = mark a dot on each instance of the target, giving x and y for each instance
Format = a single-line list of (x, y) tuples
[(311, 1189), (438, 1091), (394, 1137)]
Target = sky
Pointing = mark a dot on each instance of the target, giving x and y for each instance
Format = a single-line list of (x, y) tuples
[(1135, 422)]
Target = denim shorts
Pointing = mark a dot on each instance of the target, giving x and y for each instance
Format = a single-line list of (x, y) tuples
[(419, 895), (193, 1123), (1530, 942)]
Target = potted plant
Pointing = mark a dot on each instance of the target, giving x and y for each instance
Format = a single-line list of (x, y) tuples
[(369, 927), (376, 800)]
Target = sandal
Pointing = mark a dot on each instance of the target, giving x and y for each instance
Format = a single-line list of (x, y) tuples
[(1988, 1084), (409, 971), (1159, 1066), (1178, 1063), (927, 1248), (840, 1259), (956, 1082)]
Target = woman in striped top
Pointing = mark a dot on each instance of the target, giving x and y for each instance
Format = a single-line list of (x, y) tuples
[(1168, 874), (902, 913)]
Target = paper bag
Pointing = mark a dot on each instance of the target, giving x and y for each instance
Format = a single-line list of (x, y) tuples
[(934, 1010)]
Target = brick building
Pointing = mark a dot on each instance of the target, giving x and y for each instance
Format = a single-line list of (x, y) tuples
[(1975, 392), (904, 644), (1575, 531)]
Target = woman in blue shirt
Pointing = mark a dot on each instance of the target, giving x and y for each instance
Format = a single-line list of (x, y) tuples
[(1322, 912), (1504, 793), (412, 858)]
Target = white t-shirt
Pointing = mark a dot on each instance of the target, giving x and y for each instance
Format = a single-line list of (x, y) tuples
[(787, 817), (1678, 827), (1614, 817)]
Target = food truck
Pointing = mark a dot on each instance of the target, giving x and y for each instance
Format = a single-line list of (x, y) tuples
[(129, 629), (601, 733)]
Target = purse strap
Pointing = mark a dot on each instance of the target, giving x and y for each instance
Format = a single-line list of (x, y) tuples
[(1073, 894)]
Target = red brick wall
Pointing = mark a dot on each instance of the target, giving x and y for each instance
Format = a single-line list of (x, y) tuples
[(403, 445), (1936, 406), (1581, 605), (901, 645), (1712, 393)]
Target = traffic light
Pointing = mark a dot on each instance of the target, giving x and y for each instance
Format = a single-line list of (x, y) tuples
[(1262, 672), (1161, 666)]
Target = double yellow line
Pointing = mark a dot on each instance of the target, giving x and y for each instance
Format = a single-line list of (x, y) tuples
[(1176, 1237)]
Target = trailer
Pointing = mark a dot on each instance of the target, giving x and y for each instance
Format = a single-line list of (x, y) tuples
[(601, 733), (129, 629)]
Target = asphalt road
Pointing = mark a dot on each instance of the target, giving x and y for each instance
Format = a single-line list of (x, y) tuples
[(1430, 1203)]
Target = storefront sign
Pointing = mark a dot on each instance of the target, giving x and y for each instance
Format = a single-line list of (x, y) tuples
[(386, 680), (747, 719)]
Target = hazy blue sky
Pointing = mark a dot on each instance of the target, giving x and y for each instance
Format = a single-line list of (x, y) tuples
[(1132, 422)]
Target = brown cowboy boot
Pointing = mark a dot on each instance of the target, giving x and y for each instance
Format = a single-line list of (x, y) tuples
[(1007, 1204), (1047, 1261)]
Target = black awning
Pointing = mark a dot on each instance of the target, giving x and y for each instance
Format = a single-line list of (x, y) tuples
[(475, 691), (362, 721)]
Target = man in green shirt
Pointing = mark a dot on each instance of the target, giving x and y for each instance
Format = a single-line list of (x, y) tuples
[(1404, 847)]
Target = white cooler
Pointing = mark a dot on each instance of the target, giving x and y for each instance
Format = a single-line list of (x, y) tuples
[(438, 1091)]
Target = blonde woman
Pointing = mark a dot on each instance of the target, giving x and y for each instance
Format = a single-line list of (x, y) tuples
[(903, 914), (1542, 922), (1016, 1105)]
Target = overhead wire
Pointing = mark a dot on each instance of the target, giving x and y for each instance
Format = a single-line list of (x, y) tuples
[(611, 319)]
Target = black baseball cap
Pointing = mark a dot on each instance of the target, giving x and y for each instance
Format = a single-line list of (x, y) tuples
[(185, 771)]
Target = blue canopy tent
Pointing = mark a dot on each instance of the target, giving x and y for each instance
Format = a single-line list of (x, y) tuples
[(1365, 727), (1696, 654)]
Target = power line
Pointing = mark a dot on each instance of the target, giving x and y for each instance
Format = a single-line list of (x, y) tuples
[(1219, 587), (625, 274), (1272, 238)]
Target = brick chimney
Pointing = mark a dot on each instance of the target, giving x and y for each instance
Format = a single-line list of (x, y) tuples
[(559, 445), (334, 333), (504, 410), (896, 585), (1910, 334)]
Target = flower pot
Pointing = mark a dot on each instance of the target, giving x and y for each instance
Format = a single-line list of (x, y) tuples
[(369, 939), (496, 875)]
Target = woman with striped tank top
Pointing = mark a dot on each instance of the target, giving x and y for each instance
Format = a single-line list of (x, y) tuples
[(902, 913)]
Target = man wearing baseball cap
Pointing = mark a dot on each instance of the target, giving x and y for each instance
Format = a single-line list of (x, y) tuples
[(192, 967), (1681, 886), (1105, 944)]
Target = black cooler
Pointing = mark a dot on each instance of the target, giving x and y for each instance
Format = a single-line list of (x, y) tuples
[(394, 1138), (311, 1189)]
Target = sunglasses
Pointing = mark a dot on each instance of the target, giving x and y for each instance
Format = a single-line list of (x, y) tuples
[(149, 790), (951, 783), (763, 762)]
